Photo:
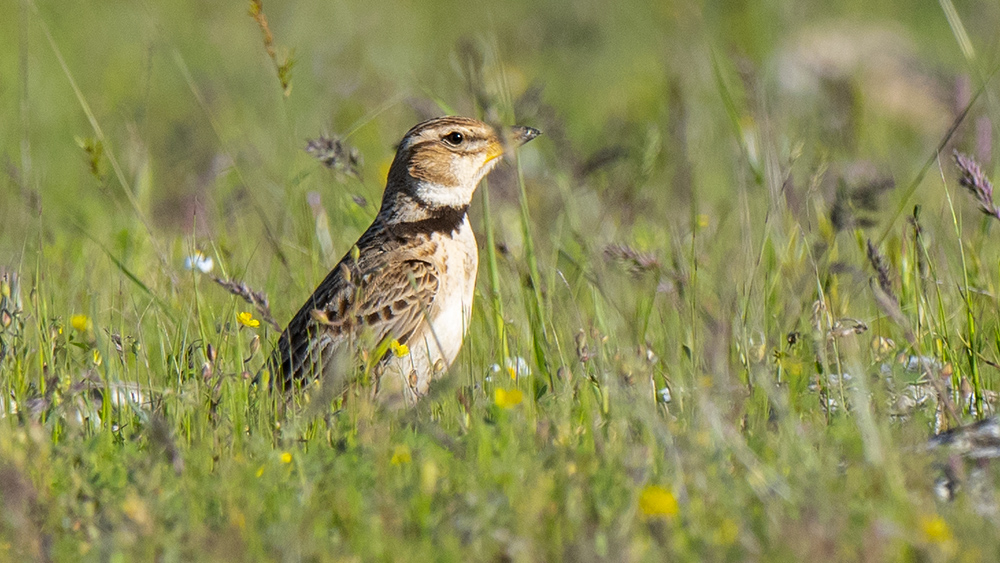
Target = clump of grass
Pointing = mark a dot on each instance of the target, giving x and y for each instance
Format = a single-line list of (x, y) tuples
[(736, 394)]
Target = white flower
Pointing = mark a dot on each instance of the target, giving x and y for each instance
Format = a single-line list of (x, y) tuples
[(664, 395), (516, 367), (7, 407), (519, 366), (199, 261)]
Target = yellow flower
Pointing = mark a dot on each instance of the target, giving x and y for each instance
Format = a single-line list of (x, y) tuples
[(935, 529), (246, 319), (508, 399), (97, 357), (239, 519), (429, 472), (136, 510), (727, 533), (81, 323), (286, 457), (260, 471), (398, 349), (401, 455), (656, 501)]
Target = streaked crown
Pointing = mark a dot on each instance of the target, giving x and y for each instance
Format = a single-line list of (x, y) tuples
[(441, 161)]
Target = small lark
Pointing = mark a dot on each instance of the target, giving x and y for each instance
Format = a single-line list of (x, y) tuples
[(407, 285)]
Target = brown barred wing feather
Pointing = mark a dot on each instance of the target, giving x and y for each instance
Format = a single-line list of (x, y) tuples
[(370, 299)]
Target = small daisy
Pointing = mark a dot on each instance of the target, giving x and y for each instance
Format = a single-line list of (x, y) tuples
[(200, 262)]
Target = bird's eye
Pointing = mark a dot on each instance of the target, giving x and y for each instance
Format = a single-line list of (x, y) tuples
[(454, 138)]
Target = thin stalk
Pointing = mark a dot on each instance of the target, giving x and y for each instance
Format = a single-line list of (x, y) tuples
[(496, 304), (971, 341), (535, 315)]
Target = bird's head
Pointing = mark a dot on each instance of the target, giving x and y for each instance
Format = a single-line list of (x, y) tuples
[(440, 162)]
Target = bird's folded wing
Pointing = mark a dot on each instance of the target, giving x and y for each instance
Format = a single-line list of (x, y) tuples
[(382, 301)]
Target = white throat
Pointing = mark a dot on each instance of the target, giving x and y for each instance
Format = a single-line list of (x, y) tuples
[(439, 195)]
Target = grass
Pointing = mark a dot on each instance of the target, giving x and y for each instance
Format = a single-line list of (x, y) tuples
[(738, 284)]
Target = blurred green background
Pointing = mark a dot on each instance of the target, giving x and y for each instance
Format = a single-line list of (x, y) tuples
[(190, 105), (693, 221)]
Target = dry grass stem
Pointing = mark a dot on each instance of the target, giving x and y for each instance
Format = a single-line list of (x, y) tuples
[(284, 66), (335, 154), (256, 298), (975, 181)]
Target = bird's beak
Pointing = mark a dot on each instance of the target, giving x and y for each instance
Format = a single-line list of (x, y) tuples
[(514, 137), (520, 135)]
